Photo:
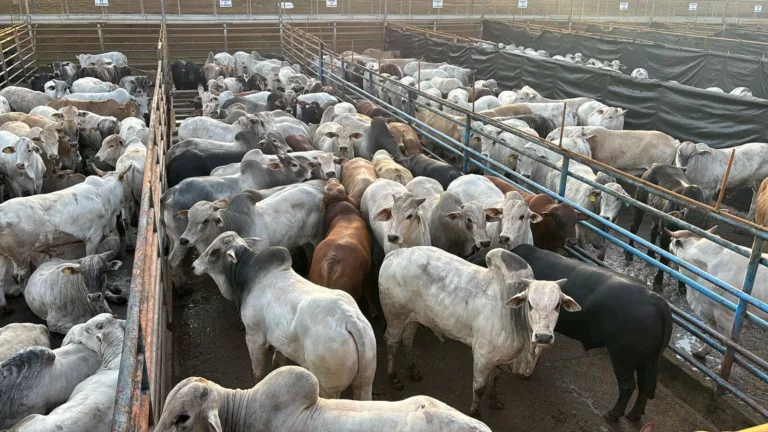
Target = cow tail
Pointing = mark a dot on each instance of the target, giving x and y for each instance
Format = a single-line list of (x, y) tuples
[(365, 340), (652, 366)]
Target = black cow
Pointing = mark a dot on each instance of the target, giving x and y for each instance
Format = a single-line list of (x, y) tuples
[(201, 160), (270, 56), (618, 312), (185, 75), (110, 73), (671, 178), (65, 71), (311, 113), (421, 165), (39, 80), (542, 125)]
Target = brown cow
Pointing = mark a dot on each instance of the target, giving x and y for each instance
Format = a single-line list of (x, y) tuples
[(558, 225), (299, 143), (507, 111), (31, 120), (110, 107), (343, 259), (406, 138), (369, 109), (61, 180), (761, 208), (356, 176)]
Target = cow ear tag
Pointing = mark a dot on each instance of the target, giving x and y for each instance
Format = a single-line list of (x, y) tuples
[(592, 198), (67, 271)]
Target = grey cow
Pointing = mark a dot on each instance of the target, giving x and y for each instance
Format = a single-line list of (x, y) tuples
[(69, 292), (23, 99), (16, 336)]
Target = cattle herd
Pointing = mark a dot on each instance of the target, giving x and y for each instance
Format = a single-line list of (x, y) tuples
[(315, 216)]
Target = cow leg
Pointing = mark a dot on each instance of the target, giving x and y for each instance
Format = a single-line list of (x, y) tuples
[(626, 381), (753, 205), (279, 360), (643, 393), (4, 308), (493, 397), (392, 337), (637, 220), (654, 234), (178, 252), (481, 371), (258, 348), (408, 335)]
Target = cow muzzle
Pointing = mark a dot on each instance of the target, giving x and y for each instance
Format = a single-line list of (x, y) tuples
[(330, 174), (21, 166), (543, 339), (393, 238), (184, 241), (73, 145), (505, 240), (485, 243)]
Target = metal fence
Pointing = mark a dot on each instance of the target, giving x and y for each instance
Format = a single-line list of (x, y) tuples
[(18, 61), (144, 378), (317, 59)]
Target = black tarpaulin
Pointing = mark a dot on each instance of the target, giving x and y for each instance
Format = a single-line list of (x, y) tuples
[(683, 112), (701, 63)]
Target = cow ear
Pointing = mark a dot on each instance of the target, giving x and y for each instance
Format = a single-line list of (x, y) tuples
[(212, 415), (453, 215), (567, 302), (252, 242), (181, 214), (340, 161), (536, 218), (331, 135), (582, 217), (383, 215), (493, 214), (231, 255), (57, 116), (302, 103), (599, 111), (273, 165), (517, 301), (594, 195), (219, 221), (114, 265), (356, 135), (9, 150), (35, 148), (83, 114), (70, 269), (221, 203)]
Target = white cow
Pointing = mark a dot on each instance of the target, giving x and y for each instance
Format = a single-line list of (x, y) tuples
[(514, 226), (335, 138), (56, 89), (319, 328), (92, 85), (476, 306), (117, 58), (705, 167), (212, 129), (15, 337), (501, 149), (37, 380), (131, 162), (84, 212), (91, 405), (640, 73), (199, 404), (5, 107), (120, 95), (723, 264), (394, 215), (530, 163)]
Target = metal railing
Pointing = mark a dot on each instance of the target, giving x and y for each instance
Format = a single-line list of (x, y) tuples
[(312, 54), (143, 381), (18, 59)]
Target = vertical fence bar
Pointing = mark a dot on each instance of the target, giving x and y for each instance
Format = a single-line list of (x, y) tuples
[(2, 63), (226, 39), (19, 53), (320, 64), (465, 156), (564, 176), (725, 181), (741, 312), (342, 73), (101, 37)]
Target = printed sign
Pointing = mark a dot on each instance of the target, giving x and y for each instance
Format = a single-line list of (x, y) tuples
[(225, 3), (330, 3), (623, 6), (102, 2), (286, 5), (522, 4), (437, 4), (758, 8), (692, 6)]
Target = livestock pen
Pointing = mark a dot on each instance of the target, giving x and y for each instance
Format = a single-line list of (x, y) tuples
[(161, 337), (310, 49)]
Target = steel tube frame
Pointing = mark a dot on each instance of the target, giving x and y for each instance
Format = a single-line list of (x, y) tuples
[(744, 297)]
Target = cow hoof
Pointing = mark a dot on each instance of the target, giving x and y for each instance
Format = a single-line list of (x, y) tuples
[(628, 256), (611, 416), (497, 404), (396, 384), (475, 413), (658, 287), (633, 416), (416, 375), (681, 289), (699, 355), (651, 255)]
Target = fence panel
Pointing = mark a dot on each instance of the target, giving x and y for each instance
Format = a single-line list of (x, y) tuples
[(18, 58)]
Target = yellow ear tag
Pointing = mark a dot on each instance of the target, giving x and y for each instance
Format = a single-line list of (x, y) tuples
[(592, 198), (511, 158), (476, 139), (67, 271)]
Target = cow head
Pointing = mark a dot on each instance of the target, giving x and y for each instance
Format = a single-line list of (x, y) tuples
[(193, 405), (515, 221), (563, 218), (693, 216), (111, 149), (342, 141), (687, 152), (92, 271), (472, 218), (97, 332), (47, 139), (610, 205), (403, 219), (220, 255), (56, 89), (205, 223), (543, 300), (68, 122), (328, 162), (22, 152), (530, 159), (685, 240)]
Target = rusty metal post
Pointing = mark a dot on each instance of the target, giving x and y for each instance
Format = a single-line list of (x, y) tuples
[(725, 180), (566, 159)]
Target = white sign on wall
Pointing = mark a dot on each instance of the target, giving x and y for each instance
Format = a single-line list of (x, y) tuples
[(623, 6), (330, 3), (437, 4), (758, 8), (692, 6), (102, 2), (286, 5), (225, 3), (522, 4)]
